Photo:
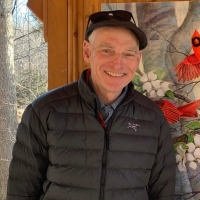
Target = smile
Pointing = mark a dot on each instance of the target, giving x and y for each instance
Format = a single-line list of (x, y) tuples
[(114, 74)]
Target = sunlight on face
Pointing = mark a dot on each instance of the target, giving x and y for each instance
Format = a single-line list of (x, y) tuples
[(110, 52), (114, 58)]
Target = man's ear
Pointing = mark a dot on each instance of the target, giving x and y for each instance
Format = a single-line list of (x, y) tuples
[(86, 51), (139, 57)]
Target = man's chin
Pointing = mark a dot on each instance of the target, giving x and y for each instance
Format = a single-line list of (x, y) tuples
[(114, 88)]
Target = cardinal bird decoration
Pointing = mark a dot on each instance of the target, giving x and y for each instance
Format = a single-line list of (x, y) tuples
[(173, 113), (189, 68)]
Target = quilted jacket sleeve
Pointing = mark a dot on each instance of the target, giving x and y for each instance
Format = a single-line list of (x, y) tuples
[(162, 180), (28, 167)]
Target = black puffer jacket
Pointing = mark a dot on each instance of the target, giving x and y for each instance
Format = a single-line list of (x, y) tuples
[(63, 153)]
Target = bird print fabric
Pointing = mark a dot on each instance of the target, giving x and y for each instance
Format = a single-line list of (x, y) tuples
[(189, 68), (173, 113)]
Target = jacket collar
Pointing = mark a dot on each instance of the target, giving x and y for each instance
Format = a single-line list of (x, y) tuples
[(85, 91)]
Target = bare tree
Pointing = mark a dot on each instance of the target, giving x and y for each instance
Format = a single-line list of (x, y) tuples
[(30, 55), (8, 119), (29, 75)]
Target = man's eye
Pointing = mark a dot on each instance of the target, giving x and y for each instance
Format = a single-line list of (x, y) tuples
[(106, 51), (129, 54)]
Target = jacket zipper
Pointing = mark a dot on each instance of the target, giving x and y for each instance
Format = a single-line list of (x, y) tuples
[(103, 173), (104, 160)]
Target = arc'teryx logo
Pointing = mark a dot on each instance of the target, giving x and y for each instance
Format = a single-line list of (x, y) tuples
[(133, 126)]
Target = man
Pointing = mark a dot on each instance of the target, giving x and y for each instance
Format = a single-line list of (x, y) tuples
[(97, 138)]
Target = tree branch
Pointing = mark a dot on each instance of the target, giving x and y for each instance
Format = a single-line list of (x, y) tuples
[(179, 96), (26, 35), (13, 10)]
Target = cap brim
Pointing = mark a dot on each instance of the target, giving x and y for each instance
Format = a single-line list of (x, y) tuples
[(116, 23)]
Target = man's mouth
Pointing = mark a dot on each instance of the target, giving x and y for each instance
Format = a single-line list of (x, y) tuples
[(114, 74)]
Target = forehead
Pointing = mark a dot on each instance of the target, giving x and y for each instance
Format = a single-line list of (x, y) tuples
[(113, 35)]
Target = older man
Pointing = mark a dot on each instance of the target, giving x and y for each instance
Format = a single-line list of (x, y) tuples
[(97, 138)]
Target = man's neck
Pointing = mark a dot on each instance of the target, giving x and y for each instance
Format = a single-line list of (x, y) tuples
[(107, 97)]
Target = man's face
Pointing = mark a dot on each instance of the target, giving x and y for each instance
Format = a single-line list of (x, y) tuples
[(114, 56)]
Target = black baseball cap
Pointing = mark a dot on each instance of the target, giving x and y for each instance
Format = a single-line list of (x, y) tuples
[(116, 18)]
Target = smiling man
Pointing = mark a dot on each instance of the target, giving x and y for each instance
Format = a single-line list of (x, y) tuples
[(97, 138), (113, 60)]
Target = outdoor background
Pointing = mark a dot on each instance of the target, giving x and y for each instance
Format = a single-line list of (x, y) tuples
[(23, 73)]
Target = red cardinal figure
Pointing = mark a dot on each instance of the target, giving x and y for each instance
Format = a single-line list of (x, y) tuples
[(173, 113), (189, 68)]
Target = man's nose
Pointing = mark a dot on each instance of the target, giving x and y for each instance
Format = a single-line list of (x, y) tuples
[(117, 60)]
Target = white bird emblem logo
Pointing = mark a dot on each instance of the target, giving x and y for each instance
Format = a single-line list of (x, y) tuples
[(133, 126)]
